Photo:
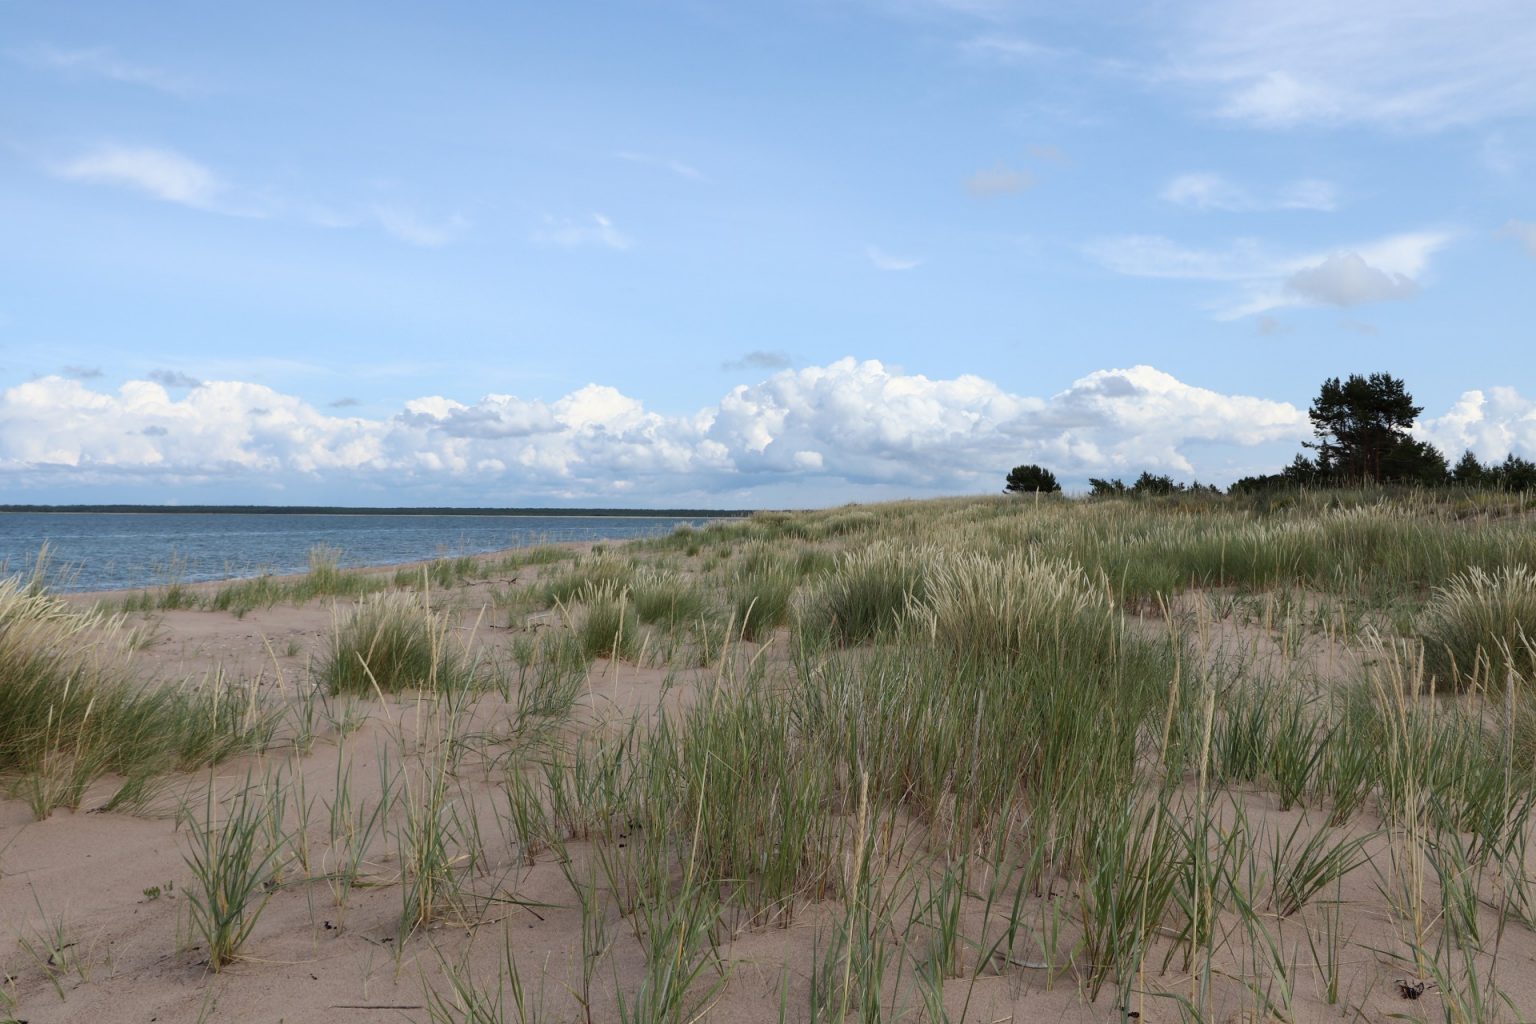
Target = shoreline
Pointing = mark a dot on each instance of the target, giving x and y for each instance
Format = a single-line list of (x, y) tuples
[(207, 587)]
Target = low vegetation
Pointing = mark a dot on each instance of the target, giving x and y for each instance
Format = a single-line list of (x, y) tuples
[(1260, 757)]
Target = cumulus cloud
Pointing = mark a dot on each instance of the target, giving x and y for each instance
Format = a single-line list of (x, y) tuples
[(161, 173), (883, 260), (1416, 64), (596, 230), (1345, 279), (1262, 280), (999, 180), (844, 430), (174, 379), (1492, 423)]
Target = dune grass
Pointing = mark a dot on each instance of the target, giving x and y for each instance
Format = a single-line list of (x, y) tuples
[(1080, 745), (394, 642), (72, 712)]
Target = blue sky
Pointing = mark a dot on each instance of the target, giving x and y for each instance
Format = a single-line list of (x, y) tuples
[(745, 253)]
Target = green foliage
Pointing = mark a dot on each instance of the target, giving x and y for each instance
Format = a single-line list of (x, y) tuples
[(1361, 425), (1030, 478)]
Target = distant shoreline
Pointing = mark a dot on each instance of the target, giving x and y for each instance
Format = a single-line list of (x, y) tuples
[(345, 510)]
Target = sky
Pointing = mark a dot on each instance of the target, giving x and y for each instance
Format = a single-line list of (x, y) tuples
[(746, 254)]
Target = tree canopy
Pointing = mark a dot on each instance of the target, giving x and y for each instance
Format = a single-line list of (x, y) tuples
[(1023, 479), (1361, 424)]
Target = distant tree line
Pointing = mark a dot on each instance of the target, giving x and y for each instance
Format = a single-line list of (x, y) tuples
[(1360, 428)]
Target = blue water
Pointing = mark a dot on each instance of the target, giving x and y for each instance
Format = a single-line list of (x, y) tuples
[(113, 551)]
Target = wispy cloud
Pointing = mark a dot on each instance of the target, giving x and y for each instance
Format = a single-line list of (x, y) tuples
[(103, 62), (1208, 191), (596, 230), (759, 359), (1009, 48), (998, 180), (161, 173), (1525, 231), (410, 226), (677, 167), (1410, 64), (345, 403), (1386, 269), (81, 372), (883, 260)]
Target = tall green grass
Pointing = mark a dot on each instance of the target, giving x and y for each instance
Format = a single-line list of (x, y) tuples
[(71, 710), (394, 642)]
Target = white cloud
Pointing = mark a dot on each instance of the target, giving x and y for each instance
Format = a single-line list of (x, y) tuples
[(1345, 279), (1491, 423), (843, 430), (162, 173), (1207, 191), (1262, 280), (883, 260), (412, 227), (574, 234), (1156, 256), (677, 167), (999, 180), (102, 62), (1415, 64), (1008, 48), (1308, 194)]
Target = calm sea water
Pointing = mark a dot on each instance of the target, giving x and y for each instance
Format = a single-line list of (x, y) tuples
[(112, 551)]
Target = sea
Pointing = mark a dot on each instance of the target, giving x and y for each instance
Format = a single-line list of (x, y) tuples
[(123, 550)]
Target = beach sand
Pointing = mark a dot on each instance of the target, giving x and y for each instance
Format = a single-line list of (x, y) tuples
[(94, 922)]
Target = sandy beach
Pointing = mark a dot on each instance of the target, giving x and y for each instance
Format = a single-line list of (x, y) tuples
[(433, 850)]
